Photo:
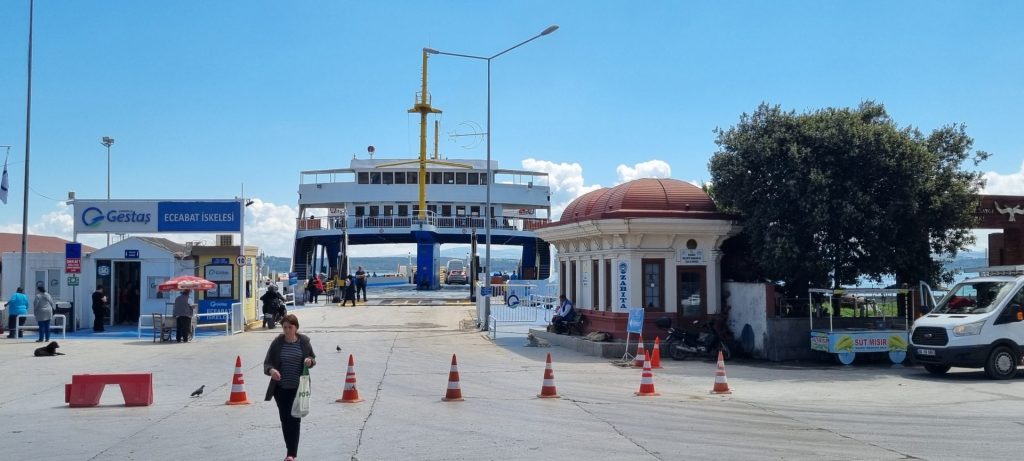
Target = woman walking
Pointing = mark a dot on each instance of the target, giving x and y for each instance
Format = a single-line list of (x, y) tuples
[(42, 309), (285, 358)]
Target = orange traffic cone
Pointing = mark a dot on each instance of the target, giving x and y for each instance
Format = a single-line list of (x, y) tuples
[(721, 383), (638, 361), (548, 391), (656, 355), (647, 380), (350, 394), (454, 393), (238, 395)]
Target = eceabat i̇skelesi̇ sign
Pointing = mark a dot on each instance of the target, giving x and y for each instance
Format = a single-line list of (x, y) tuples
[(142, 216)]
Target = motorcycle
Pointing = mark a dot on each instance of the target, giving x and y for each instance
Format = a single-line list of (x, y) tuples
[(271, 319), (704, 340)]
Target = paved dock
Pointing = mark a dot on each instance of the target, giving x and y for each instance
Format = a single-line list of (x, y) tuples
[(403, 353)]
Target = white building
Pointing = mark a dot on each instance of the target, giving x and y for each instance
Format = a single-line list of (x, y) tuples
[(651, 243)]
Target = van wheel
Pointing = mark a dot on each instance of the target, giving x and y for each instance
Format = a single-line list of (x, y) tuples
[(1001, 363), (937, 369)]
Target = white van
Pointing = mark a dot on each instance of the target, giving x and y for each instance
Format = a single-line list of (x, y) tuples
[(978, 324)]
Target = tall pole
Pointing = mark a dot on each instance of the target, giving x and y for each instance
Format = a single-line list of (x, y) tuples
[(108, 141), (490, 172), (487, 212), (28, 138)]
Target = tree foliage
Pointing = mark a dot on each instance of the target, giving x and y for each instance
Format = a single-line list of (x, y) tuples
[(832, 195)]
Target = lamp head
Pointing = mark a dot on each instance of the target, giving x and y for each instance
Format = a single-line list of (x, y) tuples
[(550, 29), (431, 51), (107, 141)]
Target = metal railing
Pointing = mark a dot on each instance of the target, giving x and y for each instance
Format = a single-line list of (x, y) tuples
[(509, 223)]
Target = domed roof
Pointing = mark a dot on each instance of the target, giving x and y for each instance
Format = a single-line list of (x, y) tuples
[(643, 198)]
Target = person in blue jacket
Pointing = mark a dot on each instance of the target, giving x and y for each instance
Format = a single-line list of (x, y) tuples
[(17, 305)]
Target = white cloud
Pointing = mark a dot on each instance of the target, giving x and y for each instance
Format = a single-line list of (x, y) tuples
[(271, 227), (567, 182), (648, 169), (1004, 184), (564, 179)]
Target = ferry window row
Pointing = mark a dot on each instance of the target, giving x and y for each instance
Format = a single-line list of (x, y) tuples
[(403, 210), (412, 177)]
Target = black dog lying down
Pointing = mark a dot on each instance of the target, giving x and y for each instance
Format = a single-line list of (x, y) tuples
[(48, 350)]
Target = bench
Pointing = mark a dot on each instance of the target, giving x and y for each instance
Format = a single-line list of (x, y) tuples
[(574, 327), (57, 322), (85, 390)]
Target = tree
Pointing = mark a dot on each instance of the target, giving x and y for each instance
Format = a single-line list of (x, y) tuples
[(832, 195)]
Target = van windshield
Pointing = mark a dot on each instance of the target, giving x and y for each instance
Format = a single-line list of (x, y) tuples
[(973, 298)]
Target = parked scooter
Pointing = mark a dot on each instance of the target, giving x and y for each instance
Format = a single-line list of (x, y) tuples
[(704, 340)]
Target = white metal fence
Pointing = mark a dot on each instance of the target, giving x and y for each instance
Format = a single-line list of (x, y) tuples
[(517, 306)]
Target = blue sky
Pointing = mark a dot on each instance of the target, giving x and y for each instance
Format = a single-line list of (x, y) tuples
[(205, 97)]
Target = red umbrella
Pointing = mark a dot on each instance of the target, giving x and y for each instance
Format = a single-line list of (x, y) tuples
[(187, 282)]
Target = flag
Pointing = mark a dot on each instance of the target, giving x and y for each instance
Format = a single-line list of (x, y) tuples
[(3, 185)]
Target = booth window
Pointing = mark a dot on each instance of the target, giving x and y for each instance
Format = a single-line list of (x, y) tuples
[(363, 177), (654, 271)]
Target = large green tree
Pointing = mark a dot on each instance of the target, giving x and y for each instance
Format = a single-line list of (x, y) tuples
[(839, 193)]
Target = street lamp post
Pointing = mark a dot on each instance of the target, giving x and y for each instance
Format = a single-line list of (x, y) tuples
[(490, 173), (108, 141)]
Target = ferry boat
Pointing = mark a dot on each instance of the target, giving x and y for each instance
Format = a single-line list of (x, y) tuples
[(423, 202)]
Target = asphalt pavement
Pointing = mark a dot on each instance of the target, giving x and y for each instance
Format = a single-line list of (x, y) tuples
[(403, 352)]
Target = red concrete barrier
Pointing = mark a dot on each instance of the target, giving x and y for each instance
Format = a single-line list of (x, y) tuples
[(85, 390)]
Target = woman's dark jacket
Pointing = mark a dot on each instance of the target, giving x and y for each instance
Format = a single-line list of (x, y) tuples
[(273, 360)]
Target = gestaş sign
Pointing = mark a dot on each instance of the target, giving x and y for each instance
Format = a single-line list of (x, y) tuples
[(150, 216)]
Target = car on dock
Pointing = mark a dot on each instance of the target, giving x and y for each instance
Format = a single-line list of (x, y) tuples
[(456, 271)]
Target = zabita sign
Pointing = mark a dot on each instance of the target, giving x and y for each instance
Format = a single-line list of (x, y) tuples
[(149, 216), (622, 284)]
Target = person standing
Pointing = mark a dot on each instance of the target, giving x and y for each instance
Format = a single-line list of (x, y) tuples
[(318, 285), (17, 305), (99, 308), (360, 282), (42, 309), (183, 316), (350, 291), (285, 358)]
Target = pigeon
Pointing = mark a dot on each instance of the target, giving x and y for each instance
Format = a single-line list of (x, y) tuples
[(199, 391), (338, 348)]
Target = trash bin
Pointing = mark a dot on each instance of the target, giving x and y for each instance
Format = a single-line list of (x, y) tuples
[(68, 310)]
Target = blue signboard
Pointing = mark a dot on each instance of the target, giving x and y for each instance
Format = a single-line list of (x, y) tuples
[(199, 217), (214, 305), (72, 250), (131, 254), (293, 278), (220, 261), (485, 291), (636, 320)]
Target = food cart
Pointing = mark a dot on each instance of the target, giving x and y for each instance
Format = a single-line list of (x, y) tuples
[(872, 327)]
